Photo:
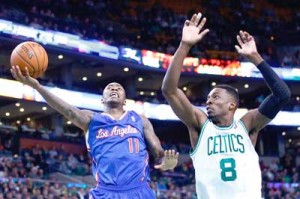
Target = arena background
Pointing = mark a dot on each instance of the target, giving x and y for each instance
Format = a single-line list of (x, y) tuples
[(91, 43)]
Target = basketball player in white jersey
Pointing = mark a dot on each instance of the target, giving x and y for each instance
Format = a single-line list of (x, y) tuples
[(225, 161)]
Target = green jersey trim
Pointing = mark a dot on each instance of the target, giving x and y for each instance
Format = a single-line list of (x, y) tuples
[(199, 139), (225, 127)]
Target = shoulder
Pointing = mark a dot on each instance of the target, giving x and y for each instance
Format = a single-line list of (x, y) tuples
[(142, 116), (201, 119), (144, 119), (88, 112), (254, 121)]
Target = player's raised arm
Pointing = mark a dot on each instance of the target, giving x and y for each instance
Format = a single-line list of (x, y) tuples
[(191, 34), (80, 118), (258, 118)]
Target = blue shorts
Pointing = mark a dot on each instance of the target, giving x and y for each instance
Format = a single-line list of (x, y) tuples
[(142, 191)]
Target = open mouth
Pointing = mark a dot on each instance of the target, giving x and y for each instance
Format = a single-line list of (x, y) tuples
[(113, 94), (208, 109)]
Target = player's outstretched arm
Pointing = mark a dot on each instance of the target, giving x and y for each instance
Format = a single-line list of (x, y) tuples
[(191, 34), (164, 160), (80, 118), (258, 118), (152, 140)]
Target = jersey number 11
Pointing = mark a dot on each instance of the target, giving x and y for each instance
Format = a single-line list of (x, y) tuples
[(133, 144)]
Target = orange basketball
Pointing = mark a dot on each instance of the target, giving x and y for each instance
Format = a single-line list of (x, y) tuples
[(31, 55)]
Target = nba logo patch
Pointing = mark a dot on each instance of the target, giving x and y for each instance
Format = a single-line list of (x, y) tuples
[(234, 125), (132, 118)]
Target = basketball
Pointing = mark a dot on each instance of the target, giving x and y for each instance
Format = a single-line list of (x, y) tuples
[(31, 55)]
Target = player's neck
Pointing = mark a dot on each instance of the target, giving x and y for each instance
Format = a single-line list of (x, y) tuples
[(222, 122), (114, 112)]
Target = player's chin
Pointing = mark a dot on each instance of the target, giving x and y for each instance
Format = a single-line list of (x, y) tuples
[(210, 116), (114, 101)]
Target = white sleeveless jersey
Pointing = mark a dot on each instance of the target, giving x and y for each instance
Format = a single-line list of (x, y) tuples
[(226, 163)]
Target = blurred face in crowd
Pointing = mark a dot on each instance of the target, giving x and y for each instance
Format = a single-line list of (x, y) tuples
[(114, 95)]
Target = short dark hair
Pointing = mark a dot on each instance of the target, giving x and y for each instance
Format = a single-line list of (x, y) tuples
[(231, 91)]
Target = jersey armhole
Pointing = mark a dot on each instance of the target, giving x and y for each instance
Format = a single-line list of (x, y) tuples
[(90, 122), (192, 152), (245, 128)]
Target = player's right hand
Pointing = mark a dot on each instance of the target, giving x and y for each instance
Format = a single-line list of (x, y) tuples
[(169, 160), (193, 30), (25, 79)]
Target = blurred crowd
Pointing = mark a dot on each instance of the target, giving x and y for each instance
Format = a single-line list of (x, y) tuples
[(28, 173), (157, 25)]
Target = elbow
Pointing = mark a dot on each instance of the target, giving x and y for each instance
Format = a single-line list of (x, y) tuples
[(166, 90), (285, 95)]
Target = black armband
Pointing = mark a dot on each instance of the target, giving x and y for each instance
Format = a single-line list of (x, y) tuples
[(280, 92)]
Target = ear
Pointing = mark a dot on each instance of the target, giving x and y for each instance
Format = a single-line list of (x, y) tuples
[(124, 102), (232, 106), (102, 100)]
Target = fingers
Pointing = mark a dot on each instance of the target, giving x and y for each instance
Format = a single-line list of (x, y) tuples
[(202, 23), (158, 166), (197, 20), (171, 154), (239, 40), (13, 72), (243, 36), (238, 49), (193, 19), (203, 33), (248, 36), (176, 155), (17, 74), (187, 22)]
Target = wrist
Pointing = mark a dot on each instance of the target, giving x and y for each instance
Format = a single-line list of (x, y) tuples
[(255, 58), (185, 46), (37, 87)]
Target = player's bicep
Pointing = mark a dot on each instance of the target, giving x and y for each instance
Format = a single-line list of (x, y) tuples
[(152, 140), (184, 110), (255, 121), (81, 118)]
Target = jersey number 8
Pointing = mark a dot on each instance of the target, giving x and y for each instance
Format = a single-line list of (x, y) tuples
[(228, 172)]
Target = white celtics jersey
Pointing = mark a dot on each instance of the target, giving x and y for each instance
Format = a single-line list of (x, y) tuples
[(226, 163)]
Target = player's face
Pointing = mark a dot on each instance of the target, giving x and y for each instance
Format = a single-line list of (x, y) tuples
[(114, 93), (218, 102)]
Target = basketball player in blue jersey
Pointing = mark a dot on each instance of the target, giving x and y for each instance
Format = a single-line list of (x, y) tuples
[(225, 161), (117, 141)]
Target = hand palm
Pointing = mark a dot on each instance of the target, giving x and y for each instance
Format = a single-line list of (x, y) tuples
[(25, 79), (248, 48), (192, 30), (190, 35)]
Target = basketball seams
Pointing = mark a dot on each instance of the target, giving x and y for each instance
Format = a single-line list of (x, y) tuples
[(41, 53), (36, 57), (29, 64)]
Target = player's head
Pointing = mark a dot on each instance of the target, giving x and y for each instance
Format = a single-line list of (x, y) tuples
[(114, 95), (221, 100)]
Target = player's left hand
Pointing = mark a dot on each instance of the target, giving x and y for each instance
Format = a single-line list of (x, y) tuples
[(247, 46), (169, 161)]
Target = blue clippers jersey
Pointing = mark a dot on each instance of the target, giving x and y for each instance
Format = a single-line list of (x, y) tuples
[(118, 149)]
